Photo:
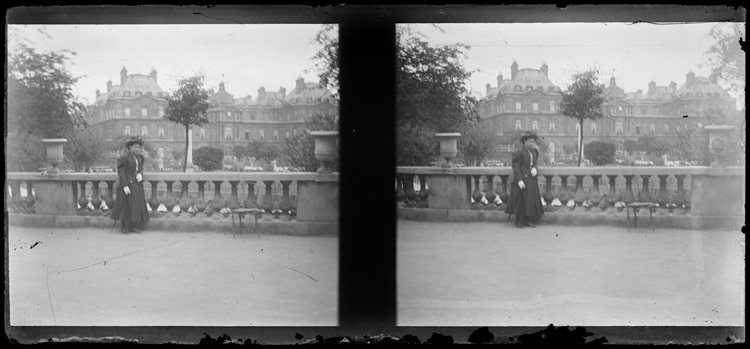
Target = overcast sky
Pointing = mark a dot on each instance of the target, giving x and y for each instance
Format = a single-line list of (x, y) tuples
[(634, 54), (244, 57)]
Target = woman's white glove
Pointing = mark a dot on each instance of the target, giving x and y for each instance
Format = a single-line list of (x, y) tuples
[(521, 185), (127, 191), (533, 172), (138, 178)]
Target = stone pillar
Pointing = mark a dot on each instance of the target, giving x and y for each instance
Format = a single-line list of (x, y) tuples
[(317, 201), (719, 199), (57, 198), (448, 191)]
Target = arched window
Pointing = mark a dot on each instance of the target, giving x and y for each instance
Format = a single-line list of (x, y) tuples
[(529, 88), (137, 93), (127, 93)]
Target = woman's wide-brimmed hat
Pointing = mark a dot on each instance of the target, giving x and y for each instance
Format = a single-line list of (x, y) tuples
[(133, 140), (528, 134)]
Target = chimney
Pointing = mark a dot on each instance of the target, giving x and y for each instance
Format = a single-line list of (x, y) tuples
[(97, 93), (123, 76), (300, 84), (109, 85), (651, 88), (690, 79), (499, 80), (513, 70), (221, 86), (153, 74), (282, 90), (612, 81), (673, 85), (544, 68), (261, 93)]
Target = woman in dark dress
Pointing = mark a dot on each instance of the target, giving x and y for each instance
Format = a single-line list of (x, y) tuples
[(130, 201), (525, 201)]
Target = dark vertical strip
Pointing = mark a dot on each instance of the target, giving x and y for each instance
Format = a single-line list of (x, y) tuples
[(367, 248)]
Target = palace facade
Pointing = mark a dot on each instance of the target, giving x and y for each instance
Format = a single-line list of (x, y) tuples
[(530, 101), (137, 106)]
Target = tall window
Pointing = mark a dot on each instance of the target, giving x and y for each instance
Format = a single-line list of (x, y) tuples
[(161, 111), (653, 128), (535, 106), (643, 110), (228, 133), (295, 131), (666, 128), (593, 127), (578, 127), (552, 126), (127, 111), (247, 134), (518, 124), (552, 106), (127, 130), (144, 131), (161, 132), (618, 127), (262, 134), (287, 134), (535, 125), (203, 133), (144, 112), (518, 105), (637, 128), (275, 134)]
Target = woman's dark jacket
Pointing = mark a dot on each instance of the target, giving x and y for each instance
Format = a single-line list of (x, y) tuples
[(130, 207), (526, 202)]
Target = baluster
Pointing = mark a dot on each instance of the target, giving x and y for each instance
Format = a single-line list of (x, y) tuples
[(200, 202), (218, 202), (564, 194), (579, 197), (549, 196), (29, 201), (679, 198), (503, 192), (477, 195), (110, 200), (185, 201), (233, 203), (411, 194), (596, 196), (612, 194), (17, 200), (83, 201), (628, 197), (154, 202), (170, 201), (423, 195), (285, 205), (489, 190), (662, 199), (400, 193), (268, 200), (645, 194), (96, 200), (251, 201)]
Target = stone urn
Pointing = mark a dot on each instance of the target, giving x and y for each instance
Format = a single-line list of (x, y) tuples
[(325, 148), (718, 139), (54, 152), (448, 146)]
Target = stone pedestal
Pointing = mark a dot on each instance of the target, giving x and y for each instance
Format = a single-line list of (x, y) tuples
[(55, 198), (317, 201), (718, 195), (450, 192)]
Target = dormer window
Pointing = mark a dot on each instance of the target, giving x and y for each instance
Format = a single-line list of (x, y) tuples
[(529, 88), (126, 93), (137, 93), (540, 88), (700, 94), (518, 88), (149, 94), (308, 100)]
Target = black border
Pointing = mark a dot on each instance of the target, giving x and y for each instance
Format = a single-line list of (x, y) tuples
[(367, 304)]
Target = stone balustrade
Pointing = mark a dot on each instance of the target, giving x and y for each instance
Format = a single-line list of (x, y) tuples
[(705, 195), (73, 194)]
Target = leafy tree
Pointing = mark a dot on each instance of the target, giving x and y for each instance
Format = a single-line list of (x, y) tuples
[(150, 150), (651, 144), (726, 56), (269, 153), (187, 106), (630, 146), (326, 61), (600, 153), (300, 149), (178, 154), (255, 147), (692, 143), (583, 100), (416, 146), (475, 143), (208, 159), (239, 152), (24, 153), (84, 148)]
